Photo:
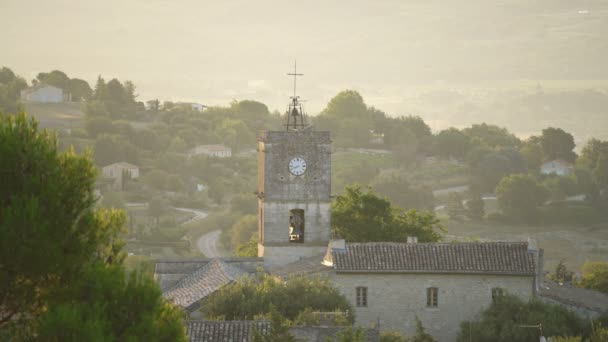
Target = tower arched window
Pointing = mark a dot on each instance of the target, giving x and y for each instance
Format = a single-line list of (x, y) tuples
[(296, 225)]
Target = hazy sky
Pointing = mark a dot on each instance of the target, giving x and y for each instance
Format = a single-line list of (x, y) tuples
[(215, 51)]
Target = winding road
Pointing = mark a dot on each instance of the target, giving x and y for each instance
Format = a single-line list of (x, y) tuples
[(207, 244), (198, 214)]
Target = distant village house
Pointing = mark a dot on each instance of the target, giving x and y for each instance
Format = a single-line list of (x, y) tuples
[(219, 151), (120, 172), (376, 138), (198, 106), (117, 170), (44, 93), (556, 167)]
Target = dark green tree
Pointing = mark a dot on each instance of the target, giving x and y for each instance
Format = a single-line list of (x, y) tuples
[(591, 153), (99, 93), (110, 149), (112, 99), (532, 153), (519, 196), (409, 130), (80, 90), (492, 136), (348, 117), (251, 297), (61, 273), (55, 78), (106, 304), (254, 114), (10, 91), (503, 321), (146, 139), (359, 216), (98, 125), (557, 144), (48, 195), (494, 166), (451, 143)]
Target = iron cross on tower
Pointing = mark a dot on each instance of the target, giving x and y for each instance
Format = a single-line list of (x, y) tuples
[(295, 107)]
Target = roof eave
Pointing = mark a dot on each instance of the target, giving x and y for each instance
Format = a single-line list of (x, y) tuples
[(437, 272)]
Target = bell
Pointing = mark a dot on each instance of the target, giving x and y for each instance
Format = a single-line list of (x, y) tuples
[(294, 112)]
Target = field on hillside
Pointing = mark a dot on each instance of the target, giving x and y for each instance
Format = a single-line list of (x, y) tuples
[(572, 244), (56, 115)]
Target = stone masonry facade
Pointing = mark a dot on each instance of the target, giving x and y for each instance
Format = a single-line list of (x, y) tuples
[(394, 300), (279, 192)]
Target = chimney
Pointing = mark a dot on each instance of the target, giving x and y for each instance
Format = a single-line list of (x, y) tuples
[(412, 239), (538, 255)]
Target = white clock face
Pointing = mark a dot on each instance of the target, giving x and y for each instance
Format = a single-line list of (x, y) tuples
[(297, 166)]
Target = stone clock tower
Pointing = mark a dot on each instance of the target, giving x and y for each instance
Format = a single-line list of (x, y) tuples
[(294, 182)]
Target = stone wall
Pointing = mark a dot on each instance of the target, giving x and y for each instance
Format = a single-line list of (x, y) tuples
[(395, 300)]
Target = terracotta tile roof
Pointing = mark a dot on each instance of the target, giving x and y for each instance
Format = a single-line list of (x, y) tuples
[(204, 281), (225, 331), (485, 257)]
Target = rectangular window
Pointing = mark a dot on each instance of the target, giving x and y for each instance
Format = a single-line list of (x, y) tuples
[(497, 292), (361, 296), (431, 297)]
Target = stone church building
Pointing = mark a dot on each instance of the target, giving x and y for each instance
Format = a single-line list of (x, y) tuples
[(387, 283)]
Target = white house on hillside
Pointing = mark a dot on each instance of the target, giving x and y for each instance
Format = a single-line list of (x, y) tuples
[(556, 167), (45, 93), (198, 106), (219, 151), (117, 170)]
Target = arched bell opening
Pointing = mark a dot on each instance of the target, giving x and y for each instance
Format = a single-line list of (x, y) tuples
[(296, 225)]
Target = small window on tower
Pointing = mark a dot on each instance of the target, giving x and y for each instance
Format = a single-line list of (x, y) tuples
[(296, 225)]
